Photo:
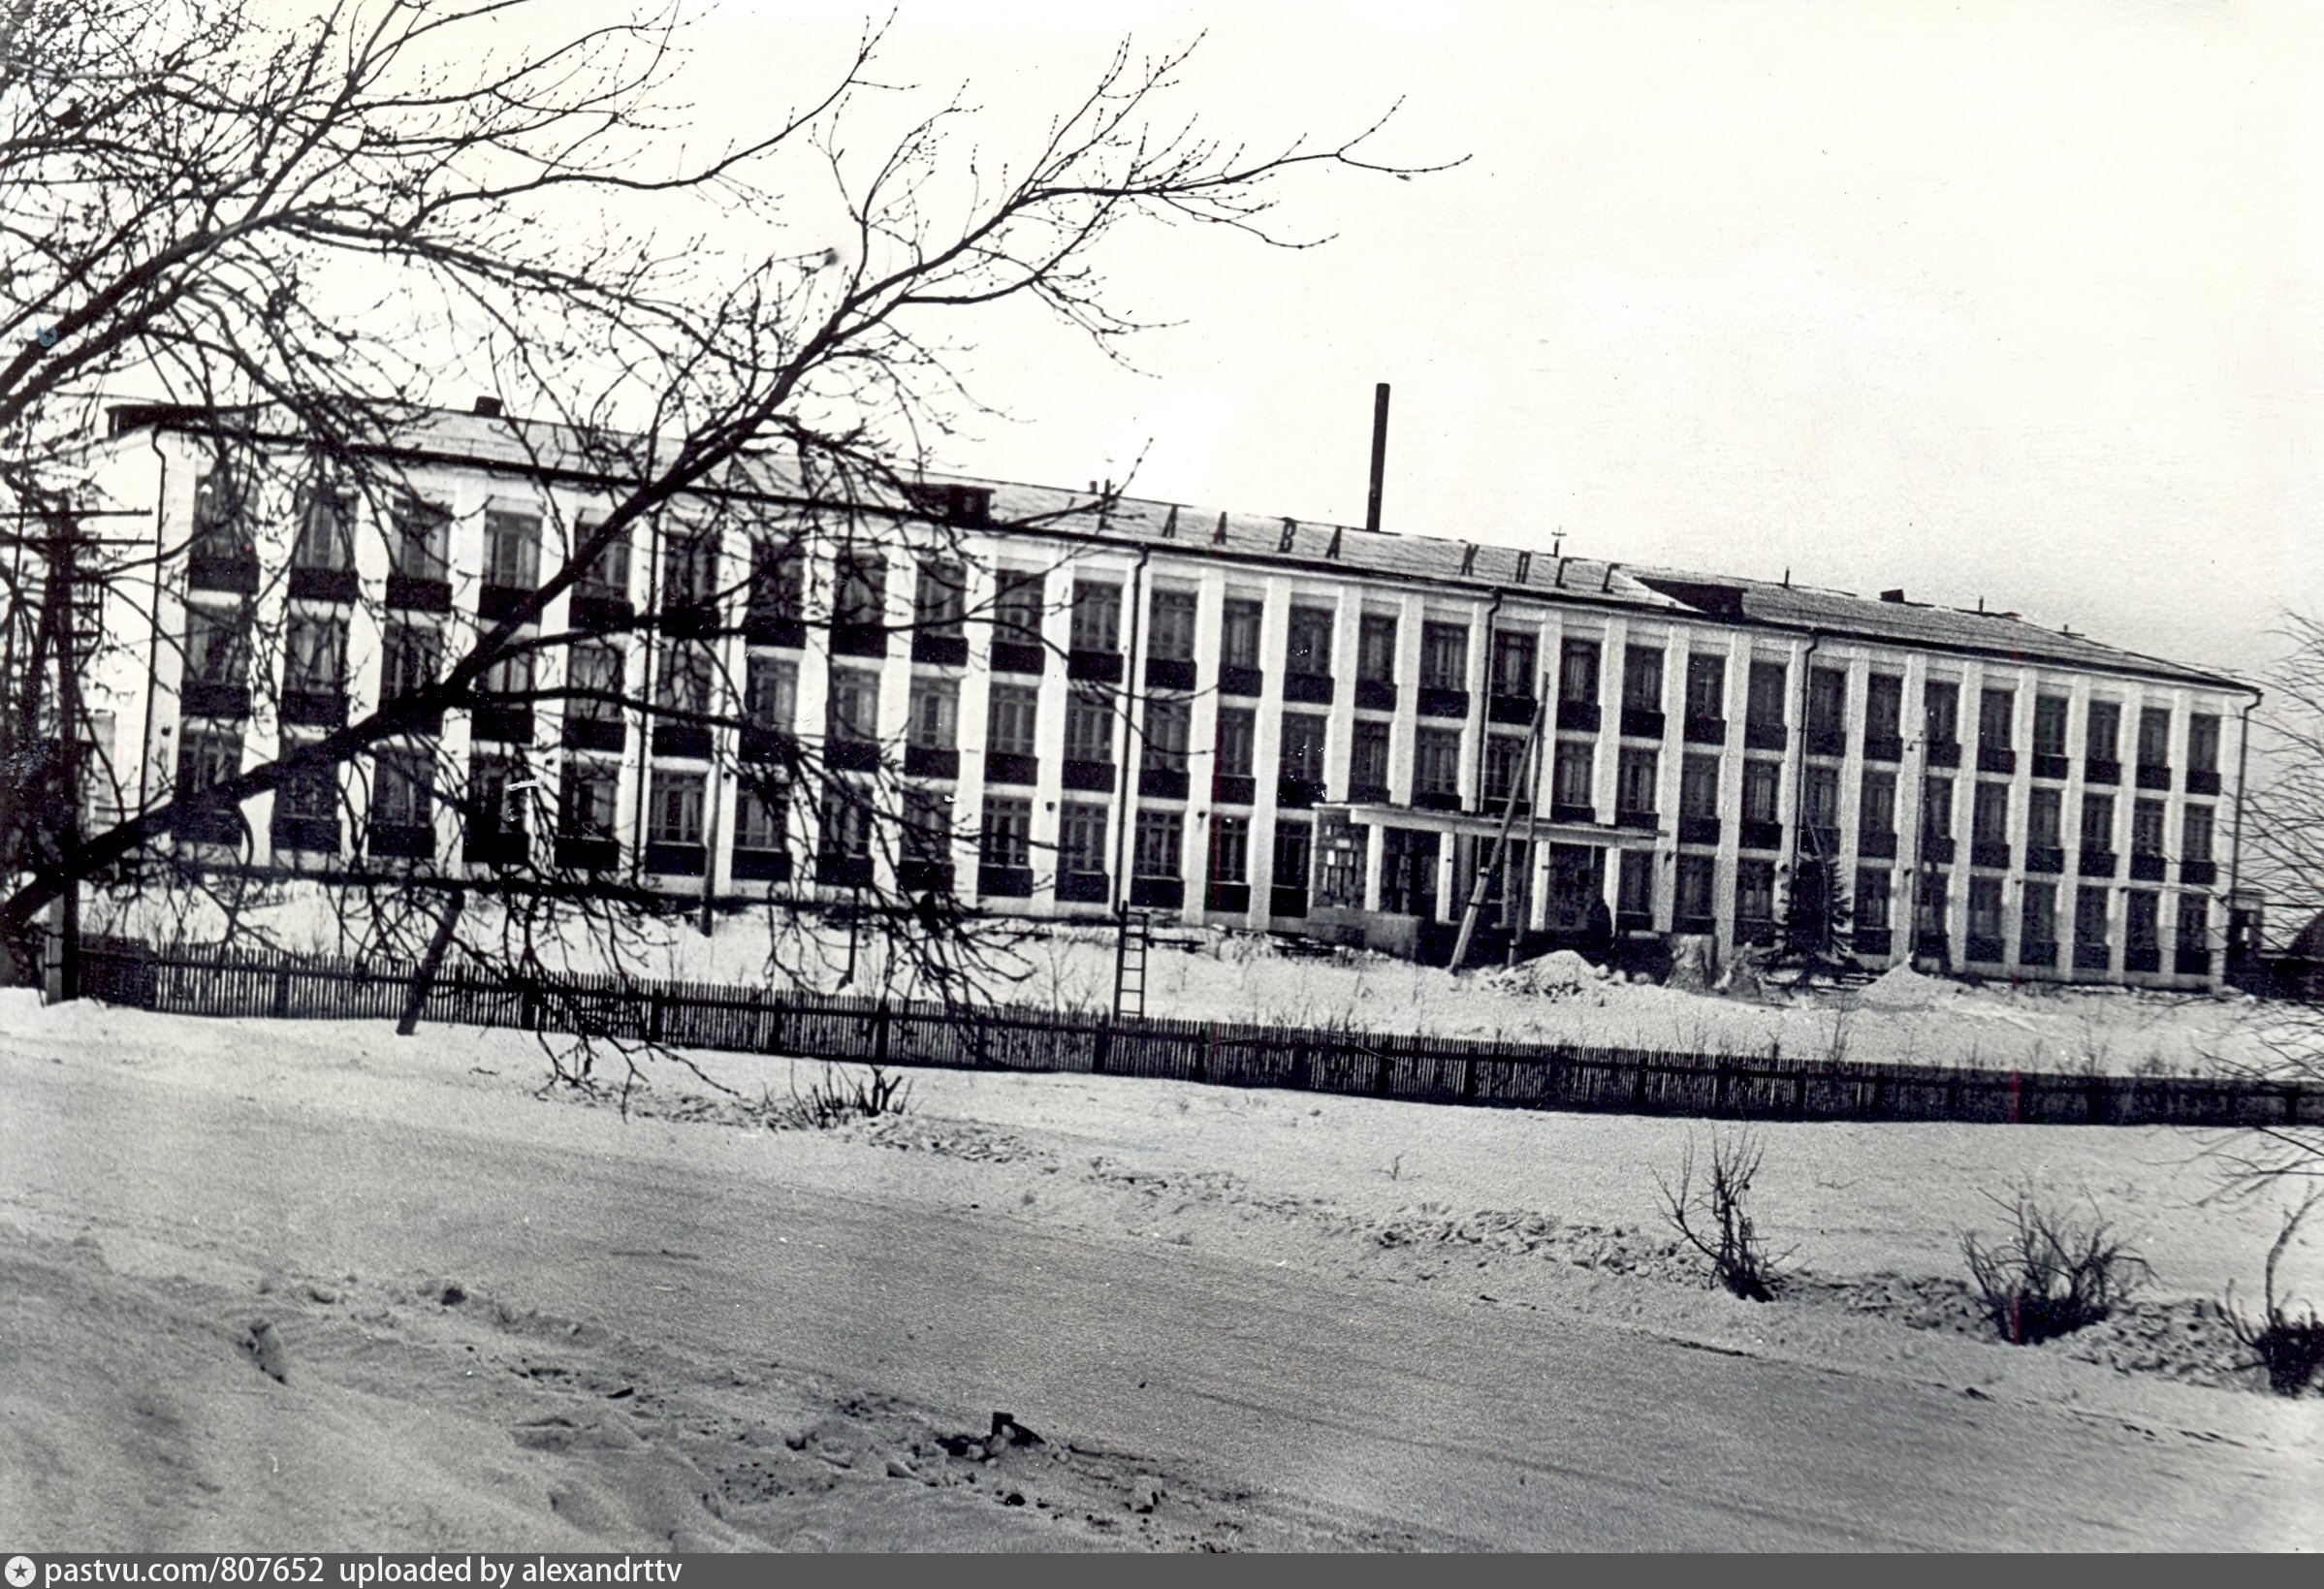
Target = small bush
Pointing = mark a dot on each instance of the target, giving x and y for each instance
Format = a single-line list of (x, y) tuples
[(1715, 1222), (2050, 1276), (2290, 1348), (838, 1098)]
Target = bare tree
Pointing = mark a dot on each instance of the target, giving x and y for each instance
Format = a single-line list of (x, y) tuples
[(299, 234), (2285, 833)]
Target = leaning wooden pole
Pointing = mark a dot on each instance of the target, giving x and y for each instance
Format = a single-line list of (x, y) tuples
[(1509, 817), (423, 980)]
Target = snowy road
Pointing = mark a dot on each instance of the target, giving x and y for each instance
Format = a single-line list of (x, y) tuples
[(1432, 1413)]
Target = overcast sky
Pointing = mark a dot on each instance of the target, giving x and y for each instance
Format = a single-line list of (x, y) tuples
[(2015, 302)]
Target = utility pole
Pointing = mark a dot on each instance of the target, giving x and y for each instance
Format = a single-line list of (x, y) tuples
[(62, 595)]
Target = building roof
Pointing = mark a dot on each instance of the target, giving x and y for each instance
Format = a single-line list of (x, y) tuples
[(545, 449)]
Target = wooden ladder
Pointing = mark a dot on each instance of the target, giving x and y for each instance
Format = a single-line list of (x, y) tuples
[(1133, 942)]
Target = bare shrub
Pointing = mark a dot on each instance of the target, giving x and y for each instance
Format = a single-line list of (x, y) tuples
[(838, 1097), (1714, 1220), (2290, 1348), (2051, 1276)]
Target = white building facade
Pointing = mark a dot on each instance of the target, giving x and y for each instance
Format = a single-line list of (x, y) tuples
[(1217, 719)]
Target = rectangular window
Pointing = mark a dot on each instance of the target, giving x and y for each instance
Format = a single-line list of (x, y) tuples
[(1019, 606), (1873, 899), (1503, 769), (1081, 838), (933, 723), (422, 543), (512, 551), (1706, 685), (1369, 761), (309, 793), (1096, 616), (1238, 741), (2037, 915), (1940, 711), (1436, 762), (1989, 814), (846, 827), (1699, 786), (854, 705), (1170, 635), (1375, 649), (762, 820), (586, 802), (682, 681), (509, 678), (1445, 655), (2050, 725), (1767, 690), (606, 578), (1826, 700), (2089, 915), (403, 790), (2142, 917), (1578, 673), (2196, 835), (1307, 646), (1009, 719), (1295, 854), (1340, 863), (2155, 736), (1006, 837), (2098, 823), (1697, 881), (322, 541), (1754, 892), (689, 568), (1239, 620), (926, 835), (2146, 827), (2045, 820), (770, 694), (1634, 885), (674, 812), (1165, 742), (1642, 679), (1636, 777), (1302, 750), (1884, 706), (1089, 723), (1985, 907), (1932, 903), (941, 601), (777, 582), (861, 599), (2194, 922), (315, 655), (594, 683), (1574, 773), (1876, 804), (412, 652), (2102, 735), (1937, 808), (1996, 718), (496, 808), (1229, 850), (1820, 797), (1763, 790), (1516, 654), (2203, 743), (217, 645), (1160, 843)]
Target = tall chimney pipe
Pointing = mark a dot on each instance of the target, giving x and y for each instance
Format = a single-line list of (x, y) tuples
[(1379, 452)]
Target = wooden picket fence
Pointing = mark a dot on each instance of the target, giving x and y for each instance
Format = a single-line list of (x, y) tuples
[(1406, 1066)]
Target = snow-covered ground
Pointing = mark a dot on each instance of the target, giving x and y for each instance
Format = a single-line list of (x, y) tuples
[(530, 1321), (1903, 1018)]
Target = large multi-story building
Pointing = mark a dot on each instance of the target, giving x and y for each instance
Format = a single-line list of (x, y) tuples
[(1092, 704)]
